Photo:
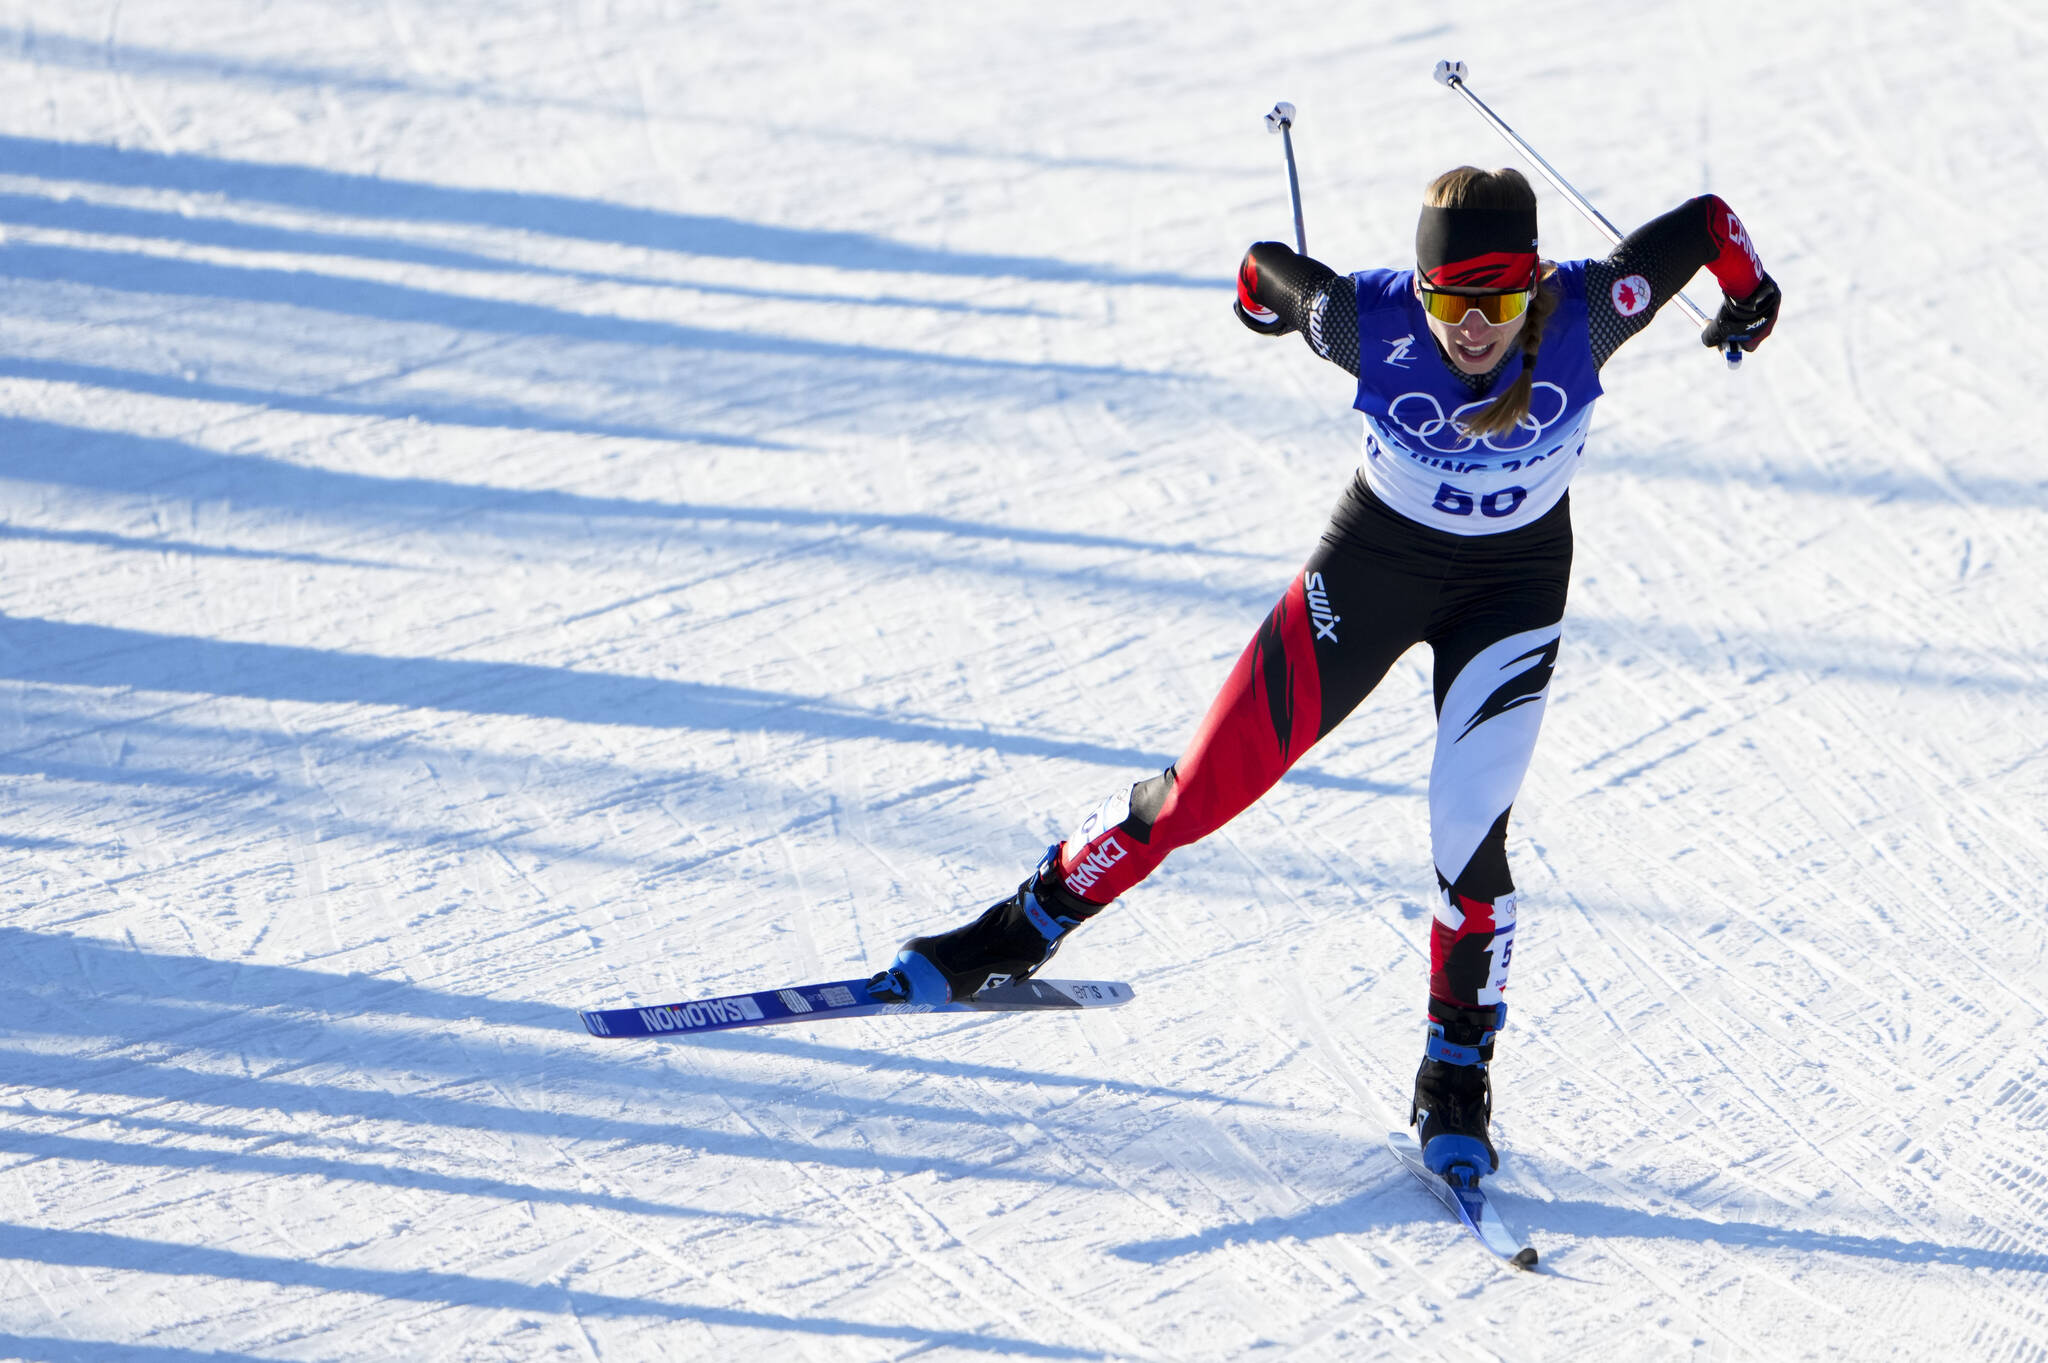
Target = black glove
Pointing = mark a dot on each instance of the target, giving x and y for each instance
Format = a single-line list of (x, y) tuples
[(1275, 286), (1250, 309), (1744, 322)]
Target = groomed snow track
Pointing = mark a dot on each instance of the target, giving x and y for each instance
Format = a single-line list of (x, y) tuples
[(513, 505)]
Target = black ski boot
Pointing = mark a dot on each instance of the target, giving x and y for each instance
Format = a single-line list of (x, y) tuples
[(1453, 1094), (1004, 946)]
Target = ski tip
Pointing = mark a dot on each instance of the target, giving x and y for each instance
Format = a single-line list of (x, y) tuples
[(1525, 1258)]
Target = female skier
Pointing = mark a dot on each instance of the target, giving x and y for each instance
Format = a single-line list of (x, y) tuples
[(1477, 372)]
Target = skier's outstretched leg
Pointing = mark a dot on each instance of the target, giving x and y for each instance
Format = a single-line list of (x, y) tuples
[(1325, 645)]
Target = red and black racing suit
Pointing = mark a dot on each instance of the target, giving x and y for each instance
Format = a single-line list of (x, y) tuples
[(1489, 606)]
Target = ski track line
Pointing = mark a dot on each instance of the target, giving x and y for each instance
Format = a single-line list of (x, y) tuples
[(1876, 1085), (582, 1336), (1736, 975), (622, 1228), (1732, 1152), (1849, 1163), (1094, 1325), (1832, 139), (1667, 988), (1684, 1299), (1086, 1160), (1292, 1249), (124, 90), (965, 1285), (1948, 929), (1912, 448), (1622, 1195), (1951, 929), (2007, 850), (1960, 204)]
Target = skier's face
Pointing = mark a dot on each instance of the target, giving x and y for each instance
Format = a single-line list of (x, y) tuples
[(1474, 344)]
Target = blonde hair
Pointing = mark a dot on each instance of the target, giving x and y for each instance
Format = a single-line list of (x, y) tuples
[(1471, 187)]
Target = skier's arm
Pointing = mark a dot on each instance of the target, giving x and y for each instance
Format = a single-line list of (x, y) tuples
[(1279, 291), (1660, 257)]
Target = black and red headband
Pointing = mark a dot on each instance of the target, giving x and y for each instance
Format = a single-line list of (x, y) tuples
[(1476, 248)]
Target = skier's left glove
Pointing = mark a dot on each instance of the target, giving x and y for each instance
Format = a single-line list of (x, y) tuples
[(1744, 322)]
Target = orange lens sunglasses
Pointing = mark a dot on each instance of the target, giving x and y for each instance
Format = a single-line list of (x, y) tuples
[(1494, 307)]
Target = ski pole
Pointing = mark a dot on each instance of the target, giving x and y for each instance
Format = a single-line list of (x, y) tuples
[(1452, 74), (1279, 121)]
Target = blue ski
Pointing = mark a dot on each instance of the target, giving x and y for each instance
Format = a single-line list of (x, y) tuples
[(841, 999), (1468, 1202)]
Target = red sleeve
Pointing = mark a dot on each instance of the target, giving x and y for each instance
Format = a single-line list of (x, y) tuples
[(1735, 263)]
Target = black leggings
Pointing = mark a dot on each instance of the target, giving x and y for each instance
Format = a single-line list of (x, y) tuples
[(1489, 606)]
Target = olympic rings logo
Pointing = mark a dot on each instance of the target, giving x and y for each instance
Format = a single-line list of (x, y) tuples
[(1419, 415)]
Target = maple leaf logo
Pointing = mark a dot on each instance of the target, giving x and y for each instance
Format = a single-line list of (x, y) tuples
[(1630, 295)]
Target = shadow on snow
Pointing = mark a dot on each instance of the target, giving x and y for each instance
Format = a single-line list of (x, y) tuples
[(438, 410), (1381, 1206), (92, 1000), (378, 301), (102, 1250), (593, 220), (75, 215), (118, 462), (55, 652)]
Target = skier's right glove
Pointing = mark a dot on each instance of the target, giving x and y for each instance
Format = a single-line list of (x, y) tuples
[(1744, 322), (1274, 285)]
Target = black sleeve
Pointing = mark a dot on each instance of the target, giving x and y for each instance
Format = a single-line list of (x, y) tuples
[(1664, 253), (1332, 330)]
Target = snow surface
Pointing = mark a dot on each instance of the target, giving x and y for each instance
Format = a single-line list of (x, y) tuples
[(524, 503)]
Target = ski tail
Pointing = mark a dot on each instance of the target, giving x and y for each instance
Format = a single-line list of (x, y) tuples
[(1033, 995)]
